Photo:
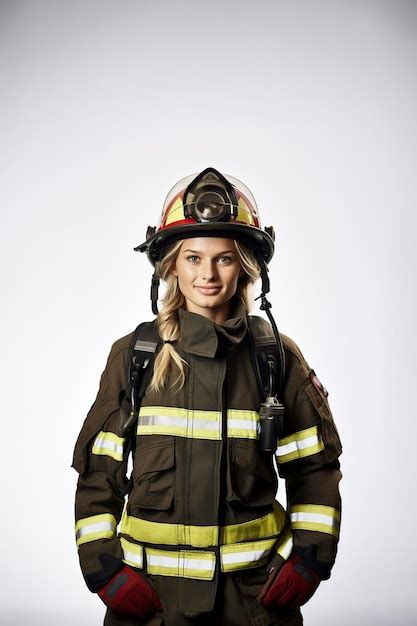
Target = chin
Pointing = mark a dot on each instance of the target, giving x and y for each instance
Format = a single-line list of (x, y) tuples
[(210, 301)]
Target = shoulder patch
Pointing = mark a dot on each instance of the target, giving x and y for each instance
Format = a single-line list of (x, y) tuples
[(316, 382)]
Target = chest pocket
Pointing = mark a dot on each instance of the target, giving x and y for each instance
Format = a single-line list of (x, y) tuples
[(154, 476), (252, 475)]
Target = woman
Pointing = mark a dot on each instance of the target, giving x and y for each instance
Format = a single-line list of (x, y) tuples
[(202, 539)]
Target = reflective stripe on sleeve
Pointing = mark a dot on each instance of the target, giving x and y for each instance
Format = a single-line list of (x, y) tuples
[(299, 445), (285, 544), (269, 525), (96, 527), (243, 555), (132, 553), (325, 519), (109, 444), (183, 563)]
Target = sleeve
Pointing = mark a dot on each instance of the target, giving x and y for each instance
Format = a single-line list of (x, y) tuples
[(100, 458), (307, 458)]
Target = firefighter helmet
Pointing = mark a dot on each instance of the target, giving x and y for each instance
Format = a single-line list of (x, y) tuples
[(209, 204)]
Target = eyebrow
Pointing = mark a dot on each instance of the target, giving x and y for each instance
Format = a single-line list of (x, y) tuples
[(198, 252)]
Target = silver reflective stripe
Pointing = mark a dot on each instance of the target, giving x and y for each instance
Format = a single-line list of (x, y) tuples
[(197, 424), (145, 346), (299, 445), (101, 526), (285, 545), (94, 528), (182, 563), (178, 421), (133, 553), (244, 557), (181, 422), (107, 443), (244, 424), (321, 518), (313, 517)]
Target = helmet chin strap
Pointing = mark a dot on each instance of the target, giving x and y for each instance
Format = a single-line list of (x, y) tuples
[(154, 289), (266, 306)]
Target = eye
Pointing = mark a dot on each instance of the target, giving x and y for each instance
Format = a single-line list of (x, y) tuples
[(227, 259), (192, 256)]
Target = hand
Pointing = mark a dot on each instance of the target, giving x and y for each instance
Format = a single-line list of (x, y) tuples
[(129, 593), (290, 586)]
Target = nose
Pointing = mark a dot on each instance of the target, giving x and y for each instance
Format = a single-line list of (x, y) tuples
[(208, 270)]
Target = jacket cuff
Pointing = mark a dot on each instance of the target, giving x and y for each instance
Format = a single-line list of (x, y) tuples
[(308, 554), (110, 566)]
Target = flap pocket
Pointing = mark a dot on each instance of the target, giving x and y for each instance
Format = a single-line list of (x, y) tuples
[(154, 476), (155, 458)]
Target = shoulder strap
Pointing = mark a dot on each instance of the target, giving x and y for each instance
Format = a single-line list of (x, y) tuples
[(264, 345), (139, 368)]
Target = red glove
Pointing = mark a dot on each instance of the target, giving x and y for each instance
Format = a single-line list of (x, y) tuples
[(290, 586), (129, 593)]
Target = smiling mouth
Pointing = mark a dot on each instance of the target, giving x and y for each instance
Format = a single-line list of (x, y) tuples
[(207, 289)]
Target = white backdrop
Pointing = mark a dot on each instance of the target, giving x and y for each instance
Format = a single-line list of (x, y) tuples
[(104, 106)]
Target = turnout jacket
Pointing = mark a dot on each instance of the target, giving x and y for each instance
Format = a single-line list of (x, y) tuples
[(201, 497)]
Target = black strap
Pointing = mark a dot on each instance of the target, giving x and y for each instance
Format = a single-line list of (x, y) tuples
[(139, 368), (264, 345)]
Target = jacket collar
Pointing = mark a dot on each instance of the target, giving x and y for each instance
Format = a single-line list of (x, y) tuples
[(200, 335)]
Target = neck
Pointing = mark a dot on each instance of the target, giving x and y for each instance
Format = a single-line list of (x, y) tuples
[(218, 315)]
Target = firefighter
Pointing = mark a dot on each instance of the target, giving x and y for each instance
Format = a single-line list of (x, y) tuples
[(200, 537)]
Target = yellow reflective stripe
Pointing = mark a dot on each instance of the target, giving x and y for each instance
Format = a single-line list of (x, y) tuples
[(101, 526), (325, 519), (182, 422), (183, 563), (242, 423), (169, 534), (285, 544), (299, 445), (132, 553), (109, 444), (269, 525), (242, 555), (163, 420)]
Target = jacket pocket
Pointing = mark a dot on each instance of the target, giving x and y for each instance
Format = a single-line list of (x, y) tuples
[(154, 476), (253, 478), (330, 435), (250, 583)]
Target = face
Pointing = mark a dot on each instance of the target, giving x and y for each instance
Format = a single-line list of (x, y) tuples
[(208, 269)]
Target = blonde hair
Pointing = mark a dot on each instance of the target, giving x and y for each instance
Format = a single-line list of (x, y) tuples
[(167, 320)]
